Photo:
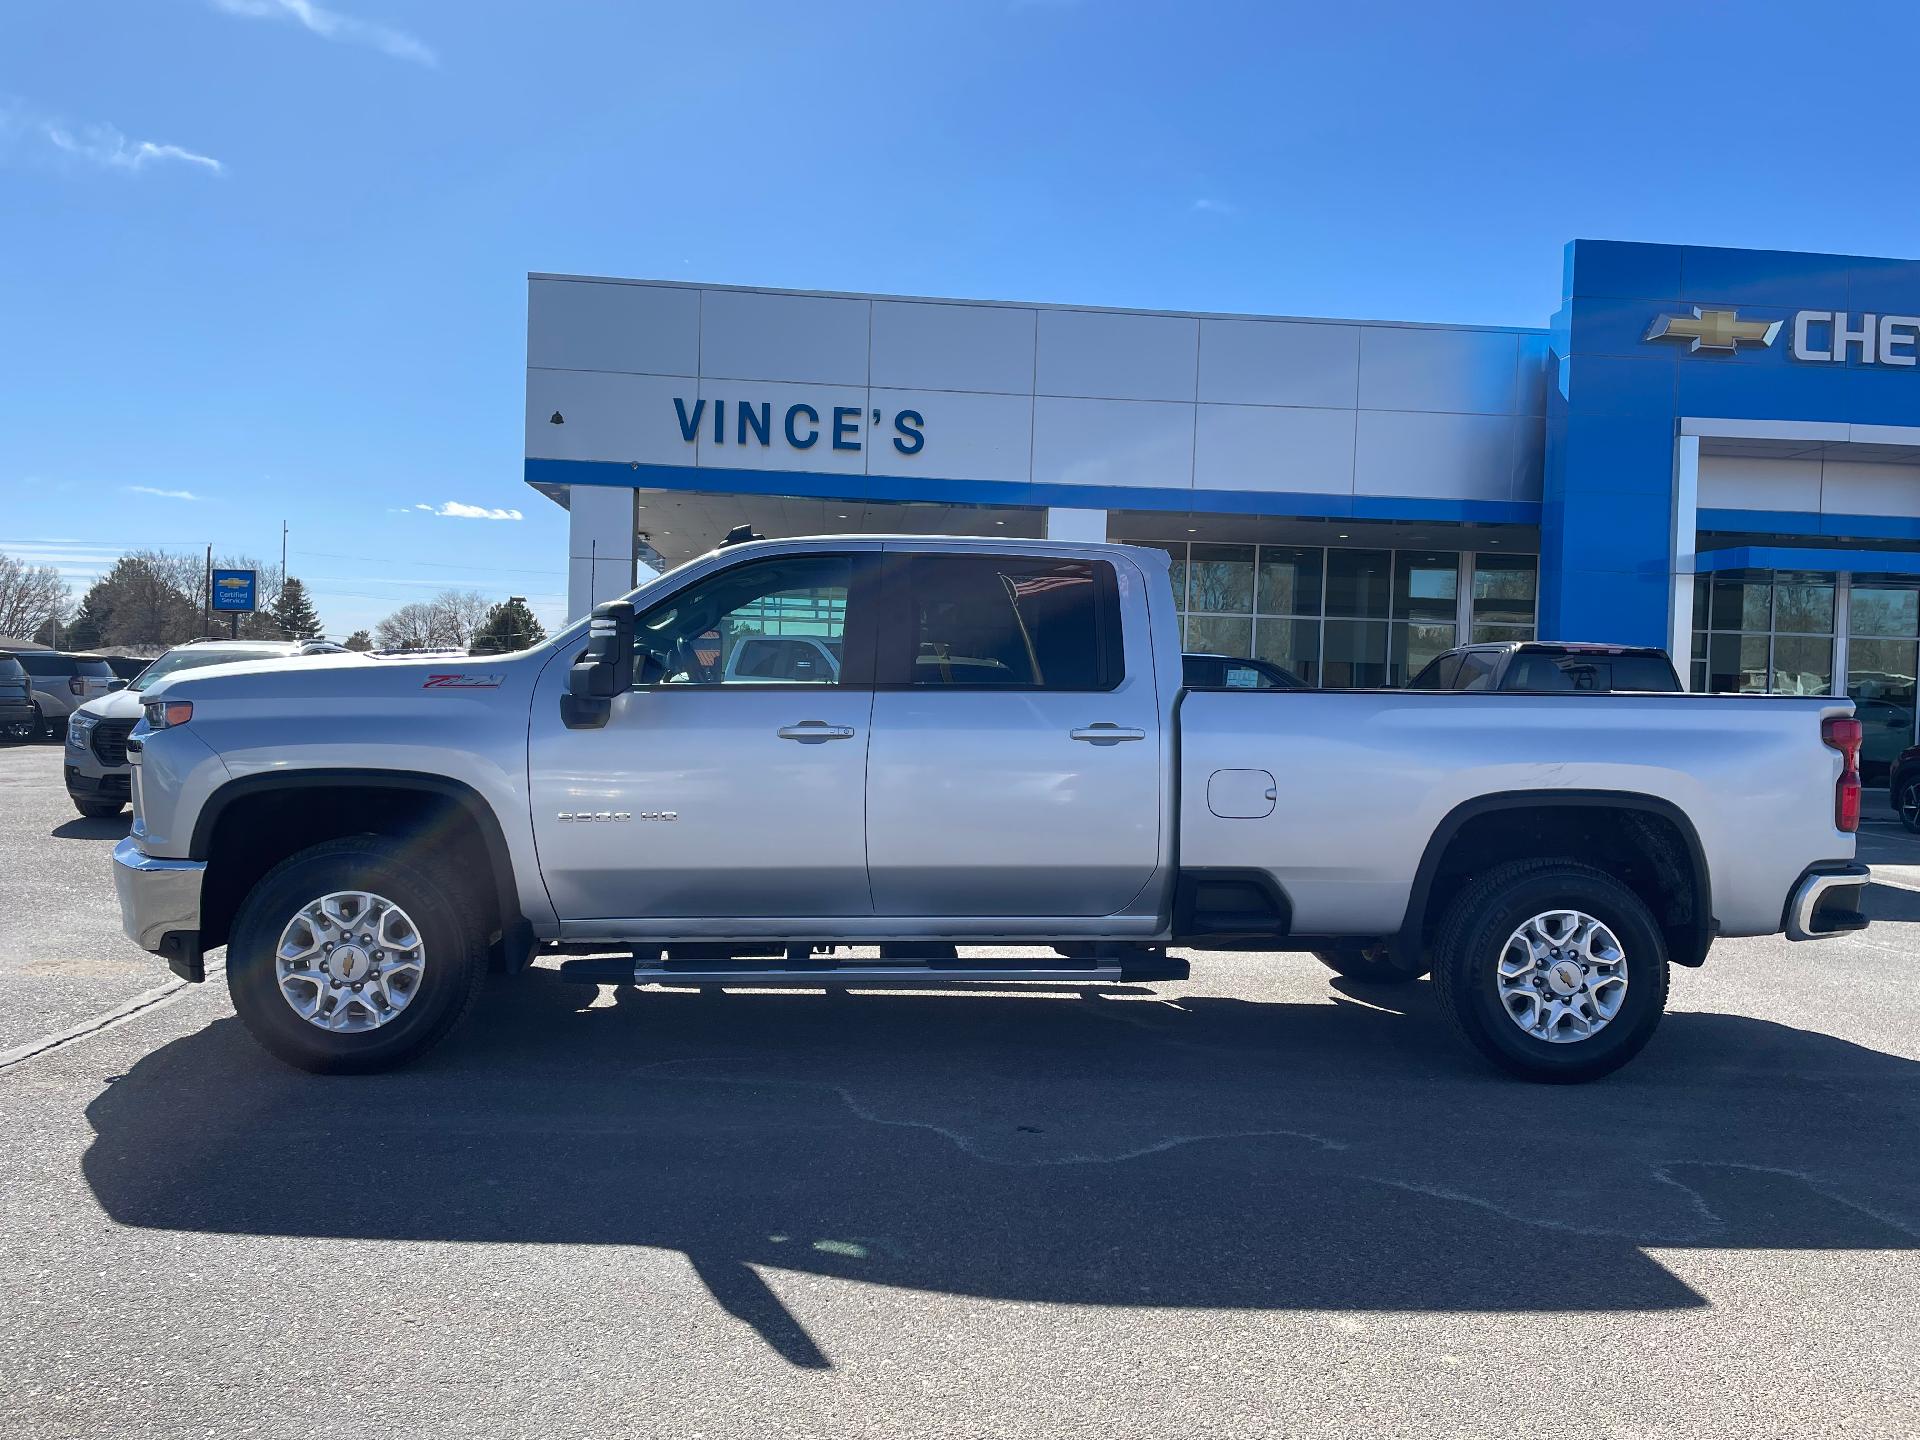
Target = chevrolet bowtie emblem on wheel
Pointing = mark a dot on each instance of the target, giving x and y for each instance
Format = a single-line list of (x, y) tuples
[(1713, 329)]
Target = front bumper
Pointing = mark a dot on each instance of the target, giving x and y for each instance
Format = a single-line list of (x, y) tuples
[(82, 786), (160, 905), (1826, 901)]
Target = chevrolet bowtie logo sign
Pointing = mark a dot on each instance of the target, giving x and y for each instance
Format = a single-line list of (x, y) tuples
[(1713, 329)]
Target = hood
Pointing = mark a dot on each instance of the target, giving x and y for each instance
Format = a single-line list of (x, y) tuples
[(345, 677), (120, 705)]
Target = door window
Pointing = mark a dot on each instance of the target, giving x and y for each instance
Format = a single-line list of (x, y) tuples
[(1476, 670), (1005, 622), (772, 622)]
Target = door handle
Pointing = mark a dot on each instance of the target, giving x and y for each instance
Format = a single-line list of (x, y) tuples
[(1105, 732), (812, 732)]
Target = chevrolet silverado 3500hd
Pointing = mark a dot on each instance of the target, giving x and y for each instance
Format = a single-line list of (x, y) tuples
[(1002, 754)]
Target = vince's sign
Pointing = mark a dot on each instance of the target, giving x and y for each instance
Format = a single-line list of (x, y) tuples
[(844, 427)]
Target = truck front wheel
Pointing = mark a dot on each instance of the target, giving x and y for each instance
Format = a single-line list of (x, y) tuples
[(353, 956), (1551, 969)]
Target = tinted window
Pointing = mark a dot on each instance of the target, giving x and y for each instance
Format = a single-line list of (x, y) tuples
[(1199, 672), (10, 668), (1009, 621), (99, 669), (1438, 675), (1476, 670), (55, 665), (715, 632), (1589, 673)]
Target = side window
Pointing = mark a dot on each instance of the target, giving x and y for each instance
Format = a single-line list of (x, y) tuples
[(1476, 670), (774, 622), (1010, 621), (1438, 675)]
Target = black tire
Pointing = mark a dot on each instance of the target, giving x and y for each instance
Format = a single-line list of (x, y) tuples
[(430, 894), (1905, 794), (98, 809), (1371, 964), (1474, 934)]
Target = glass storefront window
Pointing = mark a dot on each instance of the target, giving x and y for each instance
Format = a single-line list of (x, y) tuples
[(1290, 579), (1346, 616), (1880, 678), (1803, 608), (1802, 665), (1221, 580), (1291, 644), (1737, 664), (1504, 590), (1740, 604), (1359, 583), (1878, 610), (1220, 634), (1425, 587), (1356, 653), (1413, 645)]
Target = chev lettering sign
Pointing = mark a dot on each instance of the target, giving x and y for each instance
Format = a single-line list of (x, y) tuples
[(1817, 337), (1832, 336), (845, 427)]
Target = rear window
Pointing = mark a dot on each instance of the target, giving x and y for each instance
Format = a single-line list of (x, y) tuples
[(48, 665), (98, 668), (1010, 621), (1592, 673), (10, 668)]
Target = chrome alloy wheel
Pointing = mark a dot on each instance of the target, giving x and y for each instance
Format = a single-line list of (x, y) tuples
[(1908, 805), (350, 961), (1563, 976)]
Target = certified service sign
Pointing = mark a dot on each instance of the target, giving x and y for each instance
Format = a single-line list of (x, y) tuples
[(234, 591)]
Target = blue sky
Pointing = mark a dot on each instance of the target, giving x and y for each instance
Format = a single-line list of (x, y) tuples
[(271, 254)]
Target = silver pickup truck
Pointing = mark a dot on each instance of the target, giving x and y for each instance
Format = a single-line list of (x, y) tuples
[(1002, 756)]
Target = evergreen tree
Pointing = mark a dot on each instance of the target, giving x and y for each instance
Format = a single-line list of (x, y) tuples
[(508, 626), (292, 612), (359, 640)]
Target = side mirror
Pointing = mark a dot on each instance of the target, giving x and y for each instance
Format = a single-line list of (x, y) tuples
[(604, 669)]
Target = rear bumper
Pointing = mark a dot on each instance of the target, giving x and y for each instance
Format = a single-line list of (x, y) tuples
[(160, 904), (1827, 901)]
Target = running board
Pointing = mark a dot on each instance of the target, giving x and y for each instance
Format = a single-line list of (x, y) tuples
[(618, 970)]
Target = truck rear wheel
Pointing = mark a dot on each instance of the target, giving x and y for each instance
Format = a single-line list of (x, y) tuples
[(1371, 964), (1551, 969), (353, 956)]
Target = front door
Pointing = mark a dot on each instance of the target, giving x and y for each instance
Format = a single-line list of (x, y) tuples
[(716, 789), (1016, 757)]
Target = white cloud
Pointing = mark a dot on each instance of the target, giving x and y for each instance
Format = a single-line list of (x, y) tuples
[(163, 494), (101, 144), (1209, 206), (332, 25), (471, 512)]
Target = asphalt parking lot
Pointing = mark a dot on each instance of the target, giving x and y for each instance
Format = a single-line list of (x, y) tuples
[(1262, 1202)]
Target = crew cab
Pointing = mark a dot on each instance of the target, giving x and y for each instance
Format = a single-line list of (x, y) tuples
[(1002, 755)]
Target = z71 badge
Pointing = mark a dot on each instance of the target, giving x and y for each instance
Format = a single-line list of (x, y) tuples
[(462, 682)]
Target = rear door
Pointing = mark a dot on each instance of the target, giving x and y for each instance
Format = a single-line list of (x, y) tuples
[(1015, 761)]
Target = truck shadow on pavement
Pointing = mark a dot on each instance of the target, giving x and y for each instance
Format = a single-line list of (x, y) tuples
[(1096, 1145)]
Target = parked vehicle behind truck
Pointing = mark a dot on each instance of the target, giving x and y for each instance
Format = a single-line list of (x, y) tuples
[(1002, 755)]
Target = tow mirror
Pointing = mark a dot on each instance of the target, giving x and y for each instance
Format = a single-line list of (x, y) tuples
[(604, 669)]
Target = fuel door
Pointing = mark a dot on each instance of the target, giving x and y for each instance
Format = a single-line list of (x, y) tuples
[(1241, 794)]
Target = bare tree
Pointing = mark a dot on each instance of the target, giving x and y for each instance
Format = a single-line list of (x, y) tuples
[(30, 596), (461, 613), (411, 627)]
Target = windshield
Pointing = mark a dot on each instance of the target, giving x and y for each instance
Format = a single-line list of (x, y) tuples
[(193, 658)]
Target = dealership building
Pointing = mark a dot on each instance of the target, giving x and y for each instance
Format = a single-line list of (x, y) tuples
[(1715, 451)]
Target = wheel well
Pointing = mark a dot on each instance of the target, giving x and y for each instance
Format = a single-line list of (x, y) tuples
[(1645, 846), (255, 830)]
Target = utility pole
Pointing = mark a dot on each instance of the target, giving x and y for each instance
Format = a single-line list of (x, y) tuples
[(206, 596), (283, 553)]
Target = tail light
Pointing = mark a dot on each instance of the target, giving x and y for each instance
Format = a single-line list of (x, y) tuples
[(1845, 736), (76, 685)]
